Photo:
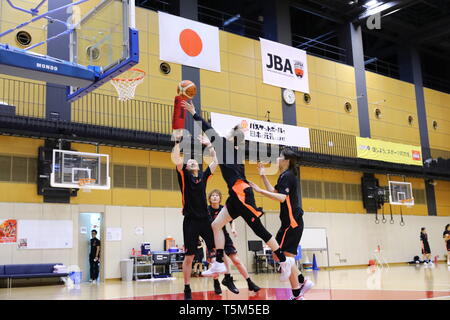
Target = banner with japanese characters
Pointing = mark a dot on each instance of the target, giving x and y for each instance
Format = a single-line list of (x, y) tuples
[(373, 149), (262, 131)]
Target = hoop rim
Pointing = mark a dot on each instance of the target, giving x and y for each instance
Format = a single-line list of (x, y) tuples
[(407, 202), (86, 181), (132, 79)]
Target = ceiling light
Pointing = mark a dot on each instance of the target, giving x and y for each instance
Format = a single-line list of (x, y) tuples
[(372, 4)]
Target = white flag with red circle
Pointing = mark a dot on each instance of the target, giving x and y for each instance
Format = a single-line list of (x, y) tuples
[(188, 42)]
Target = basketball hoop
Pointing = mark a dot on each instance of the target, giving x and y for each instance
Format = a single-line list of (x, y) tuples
[(407, 202), (126, 85), (85, 182)]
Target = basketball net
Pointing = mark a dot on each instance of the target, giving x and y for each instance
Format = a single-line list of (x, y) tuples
[(126, 85), (84, 182)]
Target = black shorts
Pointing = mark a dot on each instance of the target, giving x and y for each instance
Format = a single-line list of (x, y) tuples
[(194, 228), (229, 248), (241, 203), (289, 238), (426, 248)]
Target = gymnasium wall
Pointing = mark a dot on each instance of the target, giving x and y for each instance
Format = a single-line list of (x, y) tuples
[(351, 237), (397, 101), (438, 109)]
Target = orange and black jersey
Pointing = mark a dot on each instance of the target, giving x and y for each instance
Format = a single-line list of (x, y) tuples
[(290, 209), (213, 213), (193, 190), (231, 160)]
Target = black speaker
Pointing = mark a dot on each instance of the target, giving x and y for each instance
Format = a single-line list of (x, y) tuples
[(370, 190)]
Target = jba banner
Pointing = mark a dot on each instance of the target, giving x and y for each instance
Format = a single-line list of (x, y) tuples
[(388, 151), (284, 66), (262, 131), (8, 231)]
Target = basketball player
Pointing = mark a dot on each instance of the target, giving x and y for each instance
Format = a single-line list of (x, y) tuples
[(426, 251), (195, 208), (215, 198), (291, 215), (241, 200), (446, 236)]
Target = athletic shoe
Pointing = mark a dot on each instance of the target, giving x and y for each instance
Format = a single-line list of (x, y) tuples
[(308, 284), (297, 298), (229, 283), (217, 288), (252, 286), (286, 268), (217, 267), (187, 295), (425, 263)]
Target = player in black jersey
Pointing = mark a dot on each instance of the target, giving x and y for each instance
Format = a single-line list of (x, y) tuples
[(196, 221), (426, 251), (446, 236), (286, 192), (215, 198), (241, 200)]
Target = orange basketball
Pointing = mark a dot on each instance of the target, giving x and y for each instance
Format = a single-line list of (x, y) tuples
[(187, 89)]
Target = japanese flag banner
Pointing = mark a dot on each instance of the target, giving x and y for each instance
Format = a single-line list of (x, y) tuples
[(188, 42)]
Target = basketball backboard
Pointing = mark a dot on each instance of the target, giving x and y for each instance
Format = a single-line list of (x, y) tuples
[(103, 42), (400, 193), (80, 170)]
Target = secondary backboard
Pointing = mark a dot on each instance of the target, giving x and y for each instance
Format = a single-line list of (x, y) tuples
[(103, 41), (400, 193), (80, 170)]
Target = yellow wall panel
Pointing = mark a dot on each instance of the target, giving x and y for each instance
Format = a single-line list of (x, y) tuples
[(338, 206), (313, 205), (20, 146), (345, 73), (217, 80), (102, 197), (268, 92), (215, 97), (241, 46), (243, 104), (276, 112), (19, 192), (169, 199), (241, 65), (142, 20), (130, 197), (325, 68), (130, 156), (242, 84), (326, 85)]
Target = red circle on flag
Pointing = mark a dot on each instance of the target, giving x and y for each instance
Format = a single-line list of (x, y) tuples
[(190, 42)]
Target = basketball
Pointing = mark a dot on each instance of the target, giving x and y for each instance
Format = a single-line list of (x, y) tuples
[(187, 89)]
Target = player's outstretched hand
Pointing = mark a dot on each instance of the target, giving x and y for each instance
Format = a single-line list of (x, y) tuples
[(255, 187), (189, 106), (261, 169), (204, 140)]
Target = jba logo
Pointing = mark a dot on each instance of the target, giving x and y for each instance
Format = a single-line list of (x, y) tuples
[(284, 65), (47, 67), (415, 155)]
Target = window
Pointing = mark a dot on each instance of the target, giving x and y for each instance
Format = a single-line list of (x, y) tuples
[(18, 169), (130, 177)]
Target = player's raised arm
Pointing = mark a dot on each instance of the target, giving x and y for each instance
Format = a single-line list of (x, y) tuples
[(206, 127), (212, 152), (262, 173), (272, 195), (176, 156)]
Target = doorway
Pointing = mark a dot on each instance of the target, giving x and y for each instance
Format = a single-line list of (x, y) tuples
[(88, 221)]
